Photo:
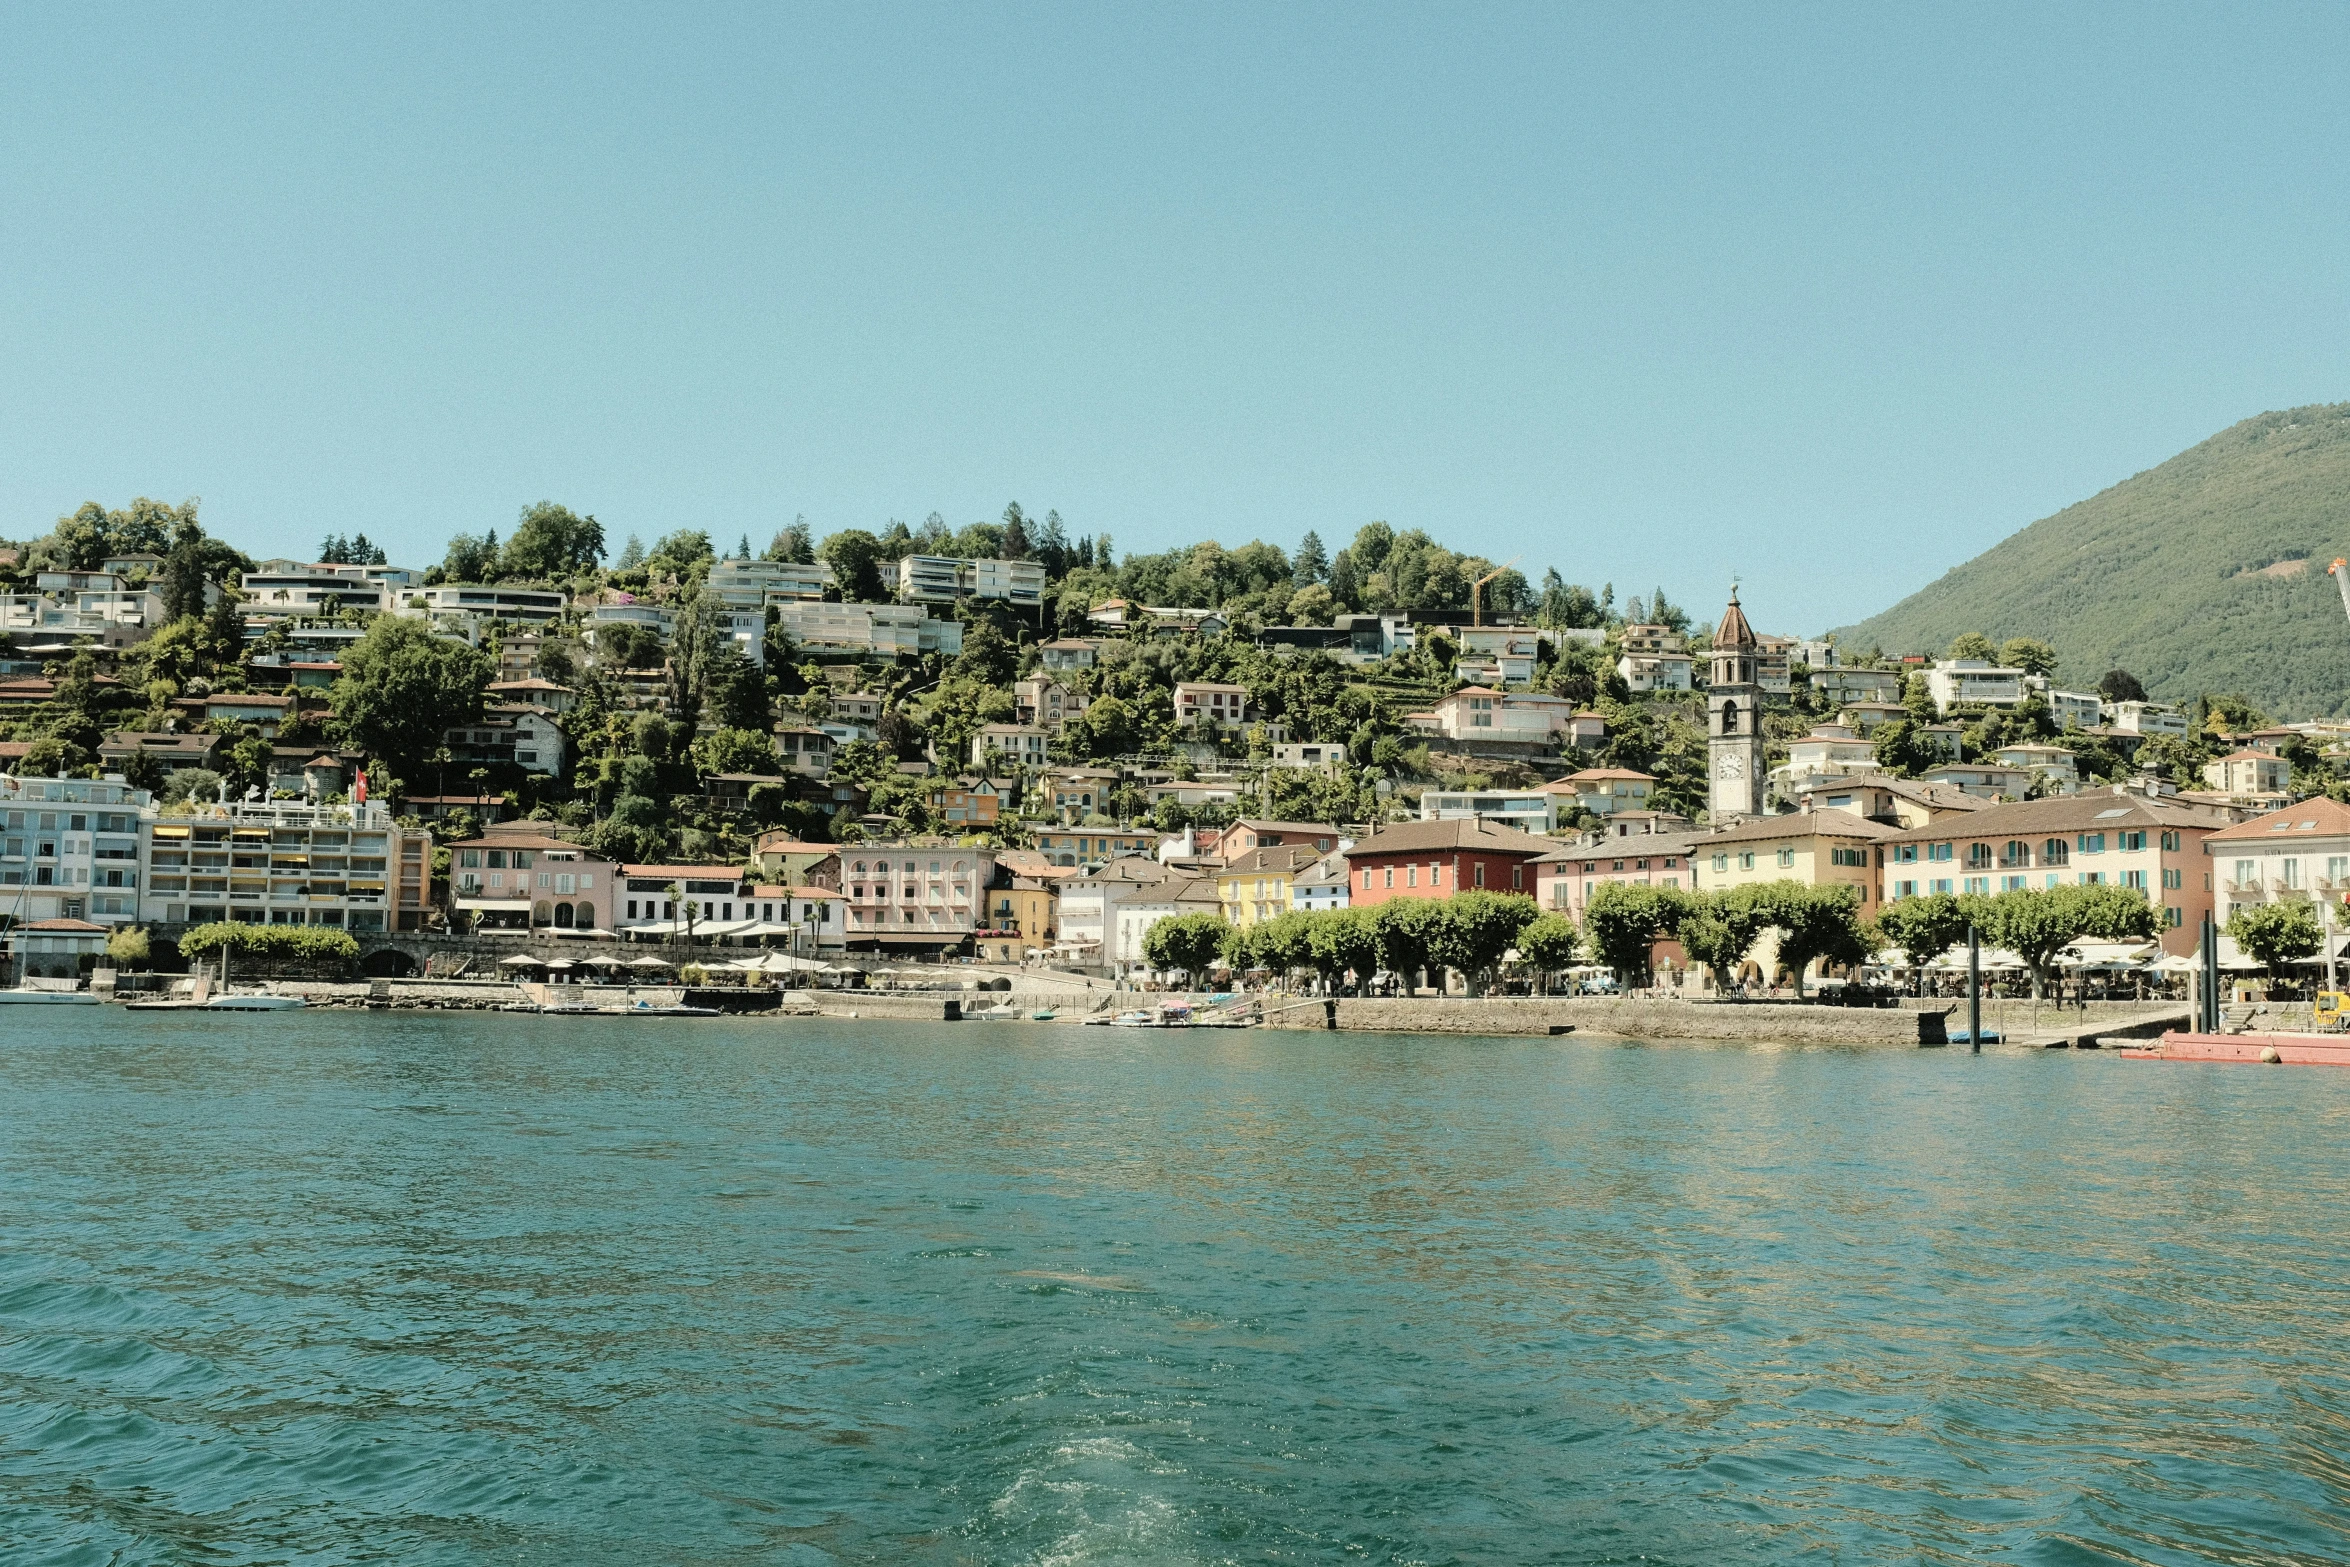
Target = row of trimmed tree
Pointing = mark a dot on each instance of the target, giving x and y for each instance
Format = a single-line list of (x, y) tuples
[(1624, 922)]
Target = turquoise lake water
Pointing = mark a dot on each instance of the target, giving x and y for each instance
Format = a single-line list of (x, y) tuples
[(410, 1288)]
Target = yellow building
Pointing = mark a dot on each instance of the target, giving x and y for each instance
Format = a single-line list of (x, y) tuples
[(1812, 847), (1029, 907), (1255, 887), (1816, 848)]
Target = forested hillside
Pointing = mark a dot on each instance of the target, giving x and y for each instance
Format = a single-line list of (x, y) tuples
[(2204, 575)]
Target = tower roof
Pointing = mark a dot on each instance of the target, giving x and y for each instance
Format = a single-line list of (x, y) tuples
[(1733, 630)]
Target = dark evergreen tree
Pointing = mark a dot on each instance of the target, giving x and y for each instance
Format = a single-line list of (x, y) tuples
[(1312, 563), (1015, 545)]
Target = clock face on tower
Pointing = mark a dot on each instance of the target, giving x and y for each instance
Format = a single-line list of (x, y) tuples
[(1730, 765)]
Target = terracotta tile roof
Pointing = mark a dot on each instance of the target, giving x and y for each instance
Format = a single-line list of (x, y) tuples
[(1800, 824), (2317, 814), (1464, 833), (1285, 858), (2101, 811)]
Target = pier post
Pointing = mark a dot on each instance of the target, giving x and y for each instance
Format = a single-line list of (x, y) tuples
[(1974, 990)]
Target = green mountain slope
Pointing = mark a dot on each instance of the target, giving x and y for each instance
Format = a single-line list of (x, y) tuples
[(2204, 575)]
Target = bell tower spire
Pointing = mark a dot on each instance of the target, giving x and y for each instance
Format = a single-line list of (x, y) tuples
[(1733, 707)]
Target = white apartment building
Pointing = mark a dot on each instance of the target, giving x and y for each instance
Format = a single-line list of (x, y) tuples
[(2054, 763), (2084, 709), (1973, 682), (1655, 671), (750, 584), (1022, 744), (72, 849), (1313, 755), (1483, 713), (277, 589), (2300, 852), (279, 862), (1209, 702), (941, 579), (2149, 719), (1829, 751), (1985, 780), (866, 630), (1322, 886), (465, 609), (1531, 811)]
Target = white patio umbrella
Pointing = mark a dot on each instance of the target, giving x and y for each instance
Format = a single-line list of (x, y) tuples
[(521, 960), (650, 963)]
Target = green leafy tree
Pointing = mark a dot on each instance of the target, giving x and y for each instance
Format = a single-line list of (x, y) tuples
[(552, 542), (1623, 922), (1815, 923), (1283, 944), (1718, 929), (736, 751), (1340, 941), (2037, 923), (855, 558), (1924, 927), (403, 688), (1406, 927), (794, 545), (1973, 644), (2273, 934), (1902, 748), (1185, 943), (2119, 685), (128, 946), (1550, 942), (2029, 654), (685, 554), (1475, 929)]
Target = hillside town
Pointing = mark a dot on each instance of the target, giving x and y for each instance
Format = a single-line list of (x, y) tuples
[(1004, 745)]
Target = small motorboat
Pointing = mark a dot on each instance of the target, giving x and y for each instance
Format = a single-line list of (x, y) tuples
[(24, 995), (253, 1003), (647, 1009), (1041, 1015), (1137, 1020)]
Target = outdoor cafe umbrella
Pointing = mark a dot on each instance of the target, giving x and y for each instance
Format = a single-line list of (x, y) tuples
[(521, 960), (603, 960), (650, 963)]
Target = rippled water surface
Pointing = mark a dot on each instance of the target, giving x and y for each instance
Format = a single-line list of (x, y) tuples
[(410, 1288)]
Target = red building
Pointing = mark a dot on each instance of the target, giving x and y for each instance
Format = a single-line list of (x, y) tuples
[(1438, 859)]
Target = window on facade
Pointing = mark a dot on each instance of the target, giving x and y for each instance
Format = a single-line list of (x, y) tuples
[(2056, 851), (1480, 873), (1721, 862), (1411, 875), (1390, 875), (2247, 872), (1786, 858), (1746, 860), (1978, 856), (1939, 851)]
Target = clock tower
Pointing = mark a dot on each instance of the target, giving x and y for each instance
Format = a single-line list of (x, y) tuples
[(1734, 721)]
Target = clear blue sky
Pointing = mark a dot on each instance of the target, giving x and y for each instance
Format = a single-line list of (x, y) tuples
[(1828, 300)]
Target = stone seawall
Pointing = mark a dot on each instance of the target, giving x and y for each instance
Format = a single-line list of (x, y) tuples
[(1642, 1018), (1608, 1015)]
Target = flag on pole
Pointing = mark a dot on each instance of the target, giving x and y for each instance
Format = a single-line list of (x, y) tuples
[(359, 790)]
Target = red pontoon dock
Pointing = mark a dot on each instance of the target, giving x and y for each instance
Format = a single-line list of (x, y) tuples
[(2258, 1049)]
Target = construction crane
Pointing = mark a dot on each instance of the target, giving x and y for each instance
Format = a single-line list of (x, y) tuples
[(1477, 590), (2340, 572)]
